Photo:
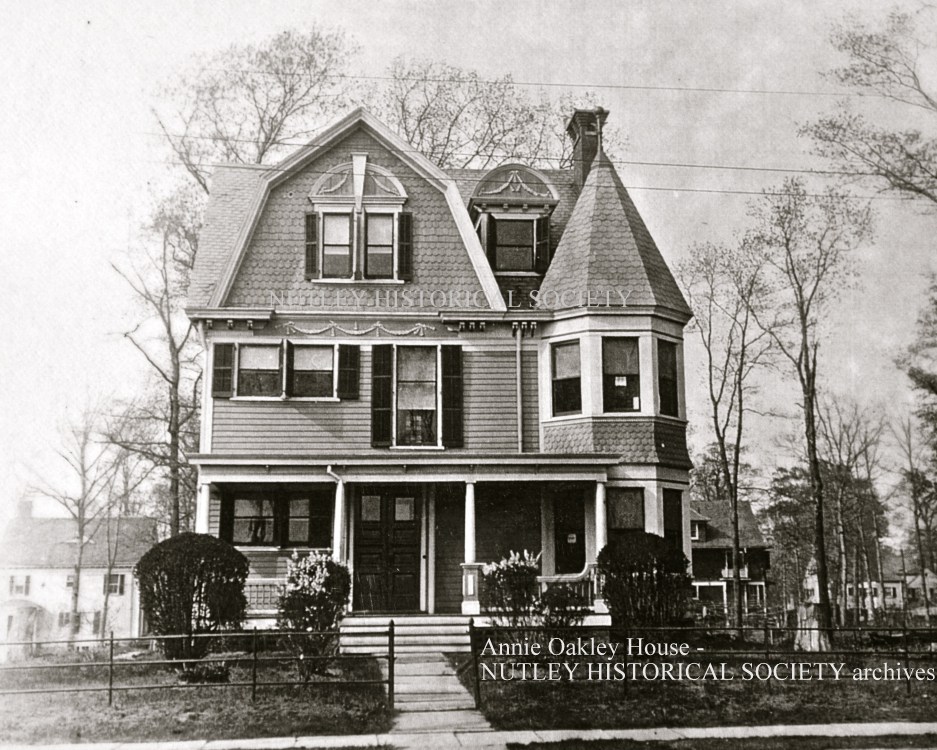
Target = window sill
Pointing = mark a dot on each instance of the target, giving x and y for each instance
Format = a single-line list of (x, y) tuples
[(565, 417), (417, 448), (528, 274), (255, 547), (257, 398), (308, 399), (359, 282)]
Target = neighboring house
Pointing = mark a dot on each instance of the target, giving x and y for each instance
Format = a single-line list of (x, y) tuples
[(902, 583), (37, 572), (380, 385), (711, 534)]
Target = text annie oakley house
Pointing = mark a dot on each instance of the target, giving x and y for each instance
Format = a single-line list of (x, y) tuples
[(418, 441)]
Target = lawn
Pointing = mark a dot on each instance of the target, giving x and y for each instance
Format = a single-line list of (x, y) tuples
[(622, 705), (181, 713), (755, 743)]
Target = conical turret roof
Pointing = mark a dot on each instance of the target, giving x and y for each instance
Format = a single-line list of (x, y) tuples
[(607, 247)]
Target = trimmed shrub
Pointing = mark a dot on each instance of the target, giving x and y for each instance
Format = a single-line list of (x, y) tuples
[(310, 605), (191, 584), (560, 610), (646, 583), (509, 591)]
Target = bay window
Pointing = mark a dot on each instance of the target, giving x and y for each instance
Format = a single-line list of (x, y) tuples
[(667, 377), (567, 393)]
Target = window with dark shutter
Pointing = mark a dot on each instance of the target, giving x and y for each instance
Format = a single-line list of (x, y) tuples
[(312, 246), (349, 365), (222, 380), (259, 370), (337, 234), (491, 240), (310, 371), (381, 395), (542, 249), (405, 246), (452, 409)]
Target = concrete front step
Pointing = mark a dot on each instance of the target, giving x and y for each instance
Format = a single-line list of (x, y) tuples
[(437, 688), (436, 721), (408, 649), (459, 704), (384, 620)]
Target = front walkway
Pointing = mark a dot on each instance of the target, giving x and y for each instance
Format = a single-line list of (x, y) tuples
[(475, 739)]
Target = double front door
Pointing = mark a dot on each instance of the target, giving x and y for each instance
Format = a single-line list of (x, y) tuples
[(387, 549)]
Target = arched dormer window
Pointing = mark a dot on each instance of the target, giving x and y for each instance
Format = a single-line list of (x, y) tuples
[(512, 206), (356, 228)]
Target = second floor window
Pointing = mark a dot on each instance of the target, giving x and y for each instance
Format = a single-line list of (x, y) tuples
[(667, 378), (259, 371), (621, 375), (379, 246), (567, 393), (416, 395), (312, 373)]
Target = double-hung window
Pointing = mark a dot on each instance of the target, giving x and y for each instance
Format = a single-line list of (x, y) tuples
[(517, 244), (416, 395), (310, 521), (313, 372), (621, 375), (259, 371), (337, 246), (625, 510), (254, 521), (19, 585), (114, 584), (567, 392), (667, 377), (379, 246)]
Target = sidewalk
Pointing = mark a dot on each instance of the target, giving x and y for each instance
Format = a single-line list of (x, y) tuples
[(494, 739)]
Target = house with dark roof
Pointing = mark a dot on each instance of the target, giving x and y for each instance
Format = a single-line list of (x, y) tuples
[(37, 578), (422, 370), (711, 536)]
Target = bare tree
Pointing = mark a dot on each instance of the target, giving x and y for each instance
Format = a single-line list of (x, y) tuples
[(723, 288), (458, 119), (249, 102), (922, 498), (884, 62), (850, 436), (85, 491), (804, 244)]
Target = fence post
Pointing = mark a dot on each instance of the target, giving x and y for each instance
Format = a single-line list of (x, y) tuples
[(110, 672), (254, 665), (478, 687), (391, 658)]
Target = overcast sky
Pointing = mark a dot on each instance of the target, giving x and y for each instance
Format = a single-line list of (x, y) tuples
[(78, 149)]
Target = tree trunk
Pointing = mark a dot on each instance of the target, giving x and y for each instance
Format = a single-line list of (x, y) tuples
[(843, 560), (921, 556)]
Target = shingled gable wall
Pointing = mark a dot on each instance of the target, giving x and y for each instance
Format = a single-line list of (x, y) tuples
[(273, 262)]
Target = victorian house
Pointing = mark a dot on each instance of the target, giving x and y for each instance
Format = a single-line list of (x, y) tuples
[(422, 370)]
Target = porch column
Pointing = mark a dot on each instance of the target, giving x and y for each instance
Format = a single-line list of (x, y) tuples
[(470, 568), (338, 522), (601, 539), (202, 507)]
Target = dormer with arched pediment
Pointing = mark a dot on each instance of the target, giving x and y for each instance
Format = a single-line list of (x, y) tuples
[(511, 207)]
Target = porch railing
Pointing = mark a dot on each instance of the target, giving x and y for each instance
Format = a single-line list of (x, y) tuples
[(729, 571), (583, 587)]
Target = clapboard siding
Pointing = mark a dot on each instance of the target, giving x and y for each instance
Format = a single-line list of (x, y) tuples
[(293, 426), (490, 401), (450, 519), (530, 400), (214, 514)]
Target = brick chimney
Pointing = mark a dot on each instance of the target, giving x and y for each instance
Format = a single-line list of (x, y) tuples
[(583, 129)]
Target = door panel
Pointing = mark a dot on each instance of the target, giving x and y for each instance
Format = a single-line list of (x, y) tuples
[(569, 523), (387, 549)]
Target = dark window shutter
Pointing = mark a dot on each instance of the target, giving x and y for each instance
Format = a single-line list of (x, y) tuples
[(382, 362), (222, 380), (289, 368), (26, 589), (226, 521), (491, 240), (405, 246), (542, 248), (281, 367), (348, 371), (452, 409), (120, 585), (312, 246)]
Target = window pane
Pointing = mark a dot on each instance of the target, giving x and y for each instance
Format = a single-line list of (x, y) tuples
[(416, 363), (380, 229), (625, 509), (371, 508), (299, 530), (259, 383), (620, 356), (336, 262), (567, 396), (313, 384), (299, 507), (416, 396), (335, 228), (512, 232), (380, 262), (514, 259), (312, 358), (249, 507), (260, 357), (403, 508), (416, 427), (566, 361)]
